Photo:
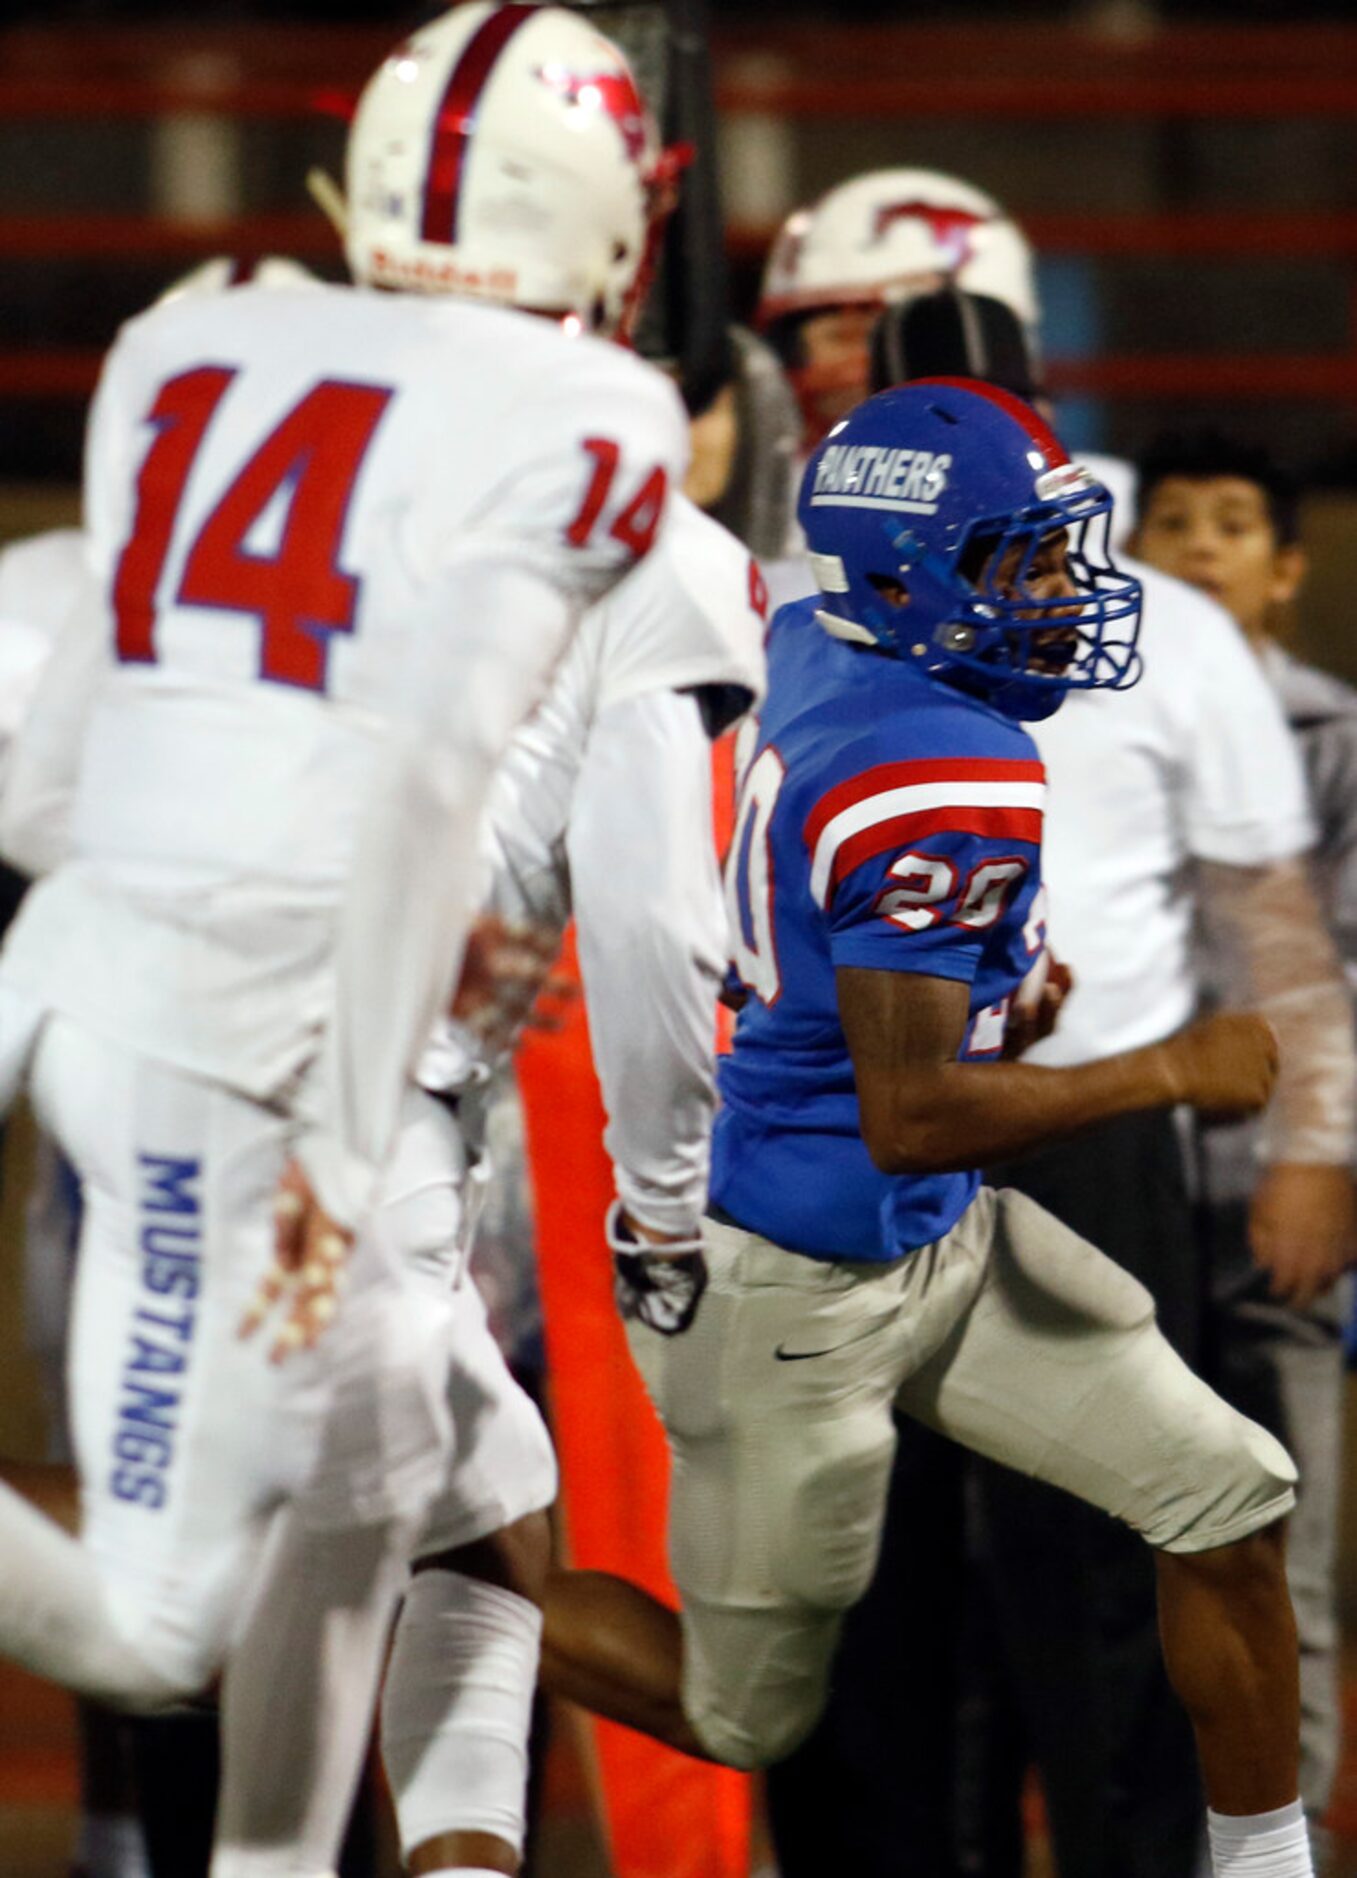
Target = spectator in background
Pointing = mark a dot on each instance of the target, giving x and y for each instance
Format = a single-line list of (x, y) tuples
[(1185, 799), (1224, 517)]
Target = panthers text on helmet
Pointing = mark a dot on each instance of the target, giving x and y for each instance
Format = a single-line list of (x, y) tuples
[(872, 476)]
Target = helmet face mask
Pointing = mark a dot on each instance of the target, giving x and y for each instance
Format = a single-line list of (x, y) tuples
[(982, 563), (504, 152)]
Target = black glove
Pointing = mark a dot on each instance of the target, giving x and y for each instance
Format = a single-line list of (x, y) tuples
[(660, 1288)]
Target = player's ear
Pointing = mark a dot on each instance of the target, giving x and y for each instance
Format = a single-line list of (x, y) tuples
[(891, 588), (1290, 565)]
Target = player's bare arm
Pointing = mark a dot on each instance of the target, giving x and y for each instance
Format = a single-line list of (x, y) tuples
[(925, 1112), (1265, 923)]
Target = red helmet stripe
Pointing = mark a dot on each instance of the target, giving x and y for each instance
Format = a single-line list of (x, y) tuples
[(455, 117), (1036, 427)]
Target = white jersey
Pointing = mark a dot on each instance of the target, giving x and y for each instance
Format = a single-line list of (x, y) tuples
[(690, 618), (604, 804), (42, 580), (340, 538), (1193, 763)]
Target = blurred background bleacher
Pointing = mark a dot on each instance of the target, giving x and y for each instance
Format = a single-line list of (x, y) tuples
[(1190, 185)]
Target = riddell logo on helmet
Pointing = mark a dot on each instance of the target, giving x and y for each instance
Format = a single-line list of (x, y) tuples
[(406, 271), (873, 476), (612, 92), (951, 229)]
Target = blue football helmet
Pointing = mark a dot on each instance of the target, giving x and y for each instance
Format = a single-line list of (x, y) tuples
[(925, 509)]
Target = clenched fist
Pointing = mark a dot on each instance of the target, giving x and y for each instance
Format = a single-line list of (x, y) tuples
[(1223, 1065)]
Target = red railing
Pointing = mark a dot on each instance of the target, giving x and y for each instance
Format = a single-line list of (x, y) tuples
[(803, 73)]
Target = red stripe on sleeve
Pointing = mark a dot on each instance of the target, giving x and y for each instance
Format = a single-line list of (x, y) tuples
[(906, 830), (456, 114), (874, 782)]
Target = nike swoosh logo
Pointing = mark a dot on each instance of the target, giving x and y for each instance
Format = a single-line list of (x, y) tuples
[(802, 1356)]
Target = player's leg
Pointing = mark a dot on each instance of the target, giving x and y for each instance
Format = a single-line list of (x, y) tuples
[(1073, 1593), (1283, 1367), (110, 1842), (879, 1772), (182, 1435), (777, 1406), (1060, 1371), (457, 1703), (293, 1742), (1230, 1647), (613, 1649), (302, 1673), (299, 1691)]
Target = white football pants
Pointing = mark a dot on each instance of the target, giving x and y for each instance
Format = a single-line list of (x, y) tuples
[(236, 1514)]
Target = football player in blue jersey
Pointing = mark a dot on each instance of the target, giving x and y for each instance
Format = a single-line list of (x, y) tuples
[(884, 885)]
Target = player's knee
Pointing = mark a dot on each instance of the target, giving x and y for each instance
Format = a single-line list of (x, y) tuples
[(150, 1661), (755, 1683), (516, 1558), (138, 1685), (754, 1736), (1242, 1481), (456, 1708)]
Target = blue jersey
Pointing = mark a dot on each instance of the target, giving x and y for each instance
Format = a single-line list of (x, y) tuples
[(887, 821)]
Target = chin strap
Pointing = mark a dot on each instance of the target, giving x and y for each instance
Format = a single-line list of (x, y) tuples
[(328, 197)]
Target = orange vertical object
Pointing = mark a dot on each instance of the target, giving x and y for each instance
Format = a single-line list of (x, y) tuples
[(667, 1816), (723, 820)]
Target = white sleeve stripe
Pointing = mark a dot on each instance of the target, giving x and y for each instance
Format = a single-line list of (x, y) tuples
[(913, 799)]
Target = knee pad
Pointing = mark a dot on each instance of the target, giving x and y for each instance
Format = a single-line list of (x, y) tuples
[(1242, 1480), (156, 1664), (757, 1734), (457, 1707), (146, 1691), (755, 1682), (127, 1671)]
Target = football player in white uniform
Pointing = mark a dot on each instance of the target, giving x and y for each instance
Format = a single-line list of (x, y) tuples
[(340, 539), (616, 761), (603, 805)]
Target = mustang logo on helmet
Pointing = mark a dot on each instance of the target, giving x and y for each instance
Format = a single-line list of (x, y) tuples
[(951, 229), (613, 92)]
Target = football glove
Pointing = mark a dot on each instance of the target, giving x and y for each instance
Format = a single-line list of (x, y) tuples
[(659, 1288)]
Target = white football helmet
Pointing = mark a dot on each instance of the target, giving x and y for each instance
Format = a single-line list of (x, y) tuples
[(505, 152), (891, 232)]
